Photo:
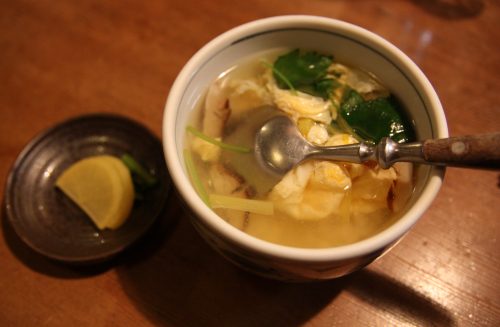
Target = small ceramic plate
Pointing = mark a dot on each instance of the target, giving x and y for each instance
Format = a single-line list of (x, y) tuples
[(51, 224)]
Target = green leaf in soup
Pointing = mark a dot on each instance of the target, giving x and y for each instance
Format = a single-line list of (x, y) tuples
[(325, 87), (322, 88), (300, 69), (374, 119), (350, 100)]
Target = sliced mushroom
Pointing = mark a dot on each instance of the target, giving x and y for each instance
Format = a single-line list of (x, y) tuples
[(215, 115), (217, 109)]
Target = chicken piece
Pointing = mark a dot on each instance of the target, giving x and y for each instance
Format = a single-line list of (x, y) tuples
[(227, 182)]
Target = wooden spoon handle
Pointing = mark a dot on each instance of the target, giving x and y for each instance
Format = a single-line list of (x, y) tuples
[(475, 151)]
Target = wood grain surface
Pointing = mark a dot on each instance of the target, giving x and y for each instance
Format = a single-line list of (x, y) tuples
[(60, 59)]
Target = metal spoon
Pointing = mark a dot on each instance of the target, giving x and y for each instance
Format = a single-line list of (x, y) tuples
[(279, 146)]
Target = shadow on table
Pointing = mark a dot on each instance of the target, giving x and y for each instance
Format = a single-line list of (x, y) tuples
[(186, 283), (174, 278), (397, 299), (151, 241)]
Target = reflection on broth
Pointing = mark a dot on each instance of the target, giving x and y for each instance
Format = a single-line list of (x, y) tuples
[(319, 203)]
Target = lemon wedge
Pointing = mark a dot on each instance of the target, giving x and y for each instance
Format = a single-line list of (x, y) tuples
[(102, 187)]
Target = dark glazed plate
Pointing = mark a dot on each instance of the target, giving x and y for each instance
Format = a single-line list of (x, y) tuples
[(47, 221)]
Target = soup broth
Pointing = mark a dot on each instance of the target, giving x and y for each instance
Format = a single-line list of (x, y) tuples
[(319, 203)]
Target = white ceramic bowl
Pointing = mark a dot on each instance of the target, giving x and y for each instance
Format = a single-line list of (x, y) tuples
[(349, 44)]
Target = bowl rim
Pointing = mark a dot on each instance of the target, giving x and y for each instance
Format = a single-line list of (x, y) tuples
[(211, 220)]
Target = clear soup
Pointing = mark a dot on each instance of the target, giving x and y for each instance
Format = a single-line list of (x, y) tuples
[(319, 203)]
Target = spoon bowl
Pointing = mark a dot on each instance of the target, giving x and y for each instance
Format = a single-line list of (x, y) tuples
[(279, 145)]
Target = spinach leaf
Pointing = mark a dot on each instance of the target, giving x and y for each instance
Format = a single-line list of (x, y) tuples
[(305, 72), (350, 100), (374, 119), (325, 87)]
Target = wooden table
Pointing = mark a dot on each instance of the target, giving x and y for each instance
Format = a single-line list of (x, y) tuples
[(60, 59)]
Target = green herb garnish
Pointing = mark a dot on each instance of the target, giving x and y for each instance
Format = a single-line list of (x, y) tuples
[(225, 146), (195, 178), (374, 119), (282, 78), (305, 72), (143, 180)]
